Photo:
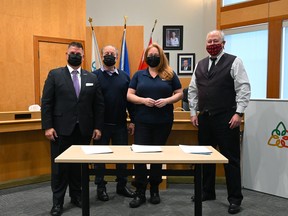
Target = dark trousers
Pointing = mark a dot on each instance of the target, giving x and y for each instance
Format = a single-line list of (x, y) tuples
[(150, 134), (63, 174), (118, 134), (214, 130)]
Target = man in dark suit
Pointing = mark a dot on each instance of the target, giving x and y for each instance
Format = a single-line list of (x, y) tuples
[(72, 114), (185, 65)]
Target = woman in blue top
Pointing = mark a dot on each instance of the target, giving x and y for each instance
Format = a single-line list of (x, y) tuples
[(153, 91)]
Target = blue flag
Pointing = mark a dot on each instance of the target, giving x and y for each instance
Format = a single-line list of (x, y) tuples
[(124, 61)]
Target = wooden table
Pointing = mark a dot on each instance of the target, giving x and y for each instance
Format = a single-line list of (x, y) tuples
[(124, 154)]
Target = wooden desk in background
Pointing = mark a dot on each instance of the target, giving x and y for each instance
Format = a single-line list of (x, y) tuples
[(24, 150), (123, 154)]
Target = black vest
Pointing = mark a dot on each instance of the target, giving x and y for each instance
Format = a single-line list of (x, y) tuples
[(216, 93)]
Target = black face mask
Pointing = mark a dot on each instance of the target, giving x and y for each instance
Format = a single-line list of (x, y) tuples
[(75, 59), (109, 60), (153, 61)]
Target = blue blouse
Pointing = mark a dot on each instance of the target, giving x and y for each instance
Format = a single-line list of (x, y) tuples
[(147, 86)]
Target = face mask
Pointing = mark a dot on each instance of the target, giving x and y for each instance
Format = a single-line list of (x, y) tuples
[(214, 49), (75, 59), (109, 60), (153, 61)]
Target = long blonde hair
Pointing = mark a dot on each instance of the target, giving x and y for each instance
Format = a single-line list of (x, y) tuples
[(164, 70)]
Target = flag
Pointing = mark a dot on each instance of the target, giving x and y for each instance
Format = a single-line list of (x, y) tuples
[(143, 65), (96, 62), (124, 61)]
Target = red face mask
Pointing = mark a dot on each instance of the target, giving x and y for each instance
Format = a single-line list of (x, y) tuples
[(214, 49)]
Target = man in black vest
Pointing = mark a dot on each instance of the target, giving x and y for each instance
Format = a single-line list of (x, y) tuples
[(220, 91)]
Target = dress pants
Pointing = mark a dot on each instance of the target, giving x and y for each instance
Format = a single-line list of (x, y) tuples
[(118, 134), (64, 174), (214, 130), (150, 134)]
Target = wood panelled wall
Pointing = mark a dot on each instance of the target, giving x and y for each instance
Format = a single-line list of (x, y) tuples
[(272, 12), (20, 21)]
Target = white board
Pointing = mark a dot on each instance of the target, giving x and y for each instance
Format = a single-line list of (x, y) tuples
[(265, 154)]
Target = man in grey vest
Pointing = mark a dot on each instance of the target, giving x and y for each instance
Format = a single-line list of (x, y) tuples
[(219, 93)]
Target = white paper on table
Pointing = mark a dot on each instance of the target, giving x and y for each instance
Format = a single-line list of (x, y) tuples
[(195, 149), (145, 148), (96, 149)]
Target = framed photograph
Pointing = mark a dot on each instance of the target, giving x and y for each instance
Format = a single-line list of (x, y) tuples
[(167, 56), (185, 63), (172, 37)]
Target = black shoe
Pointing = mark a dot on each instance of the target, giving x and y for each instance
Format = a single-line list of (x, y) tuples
[(155, 198), (125, 191), (56, 210), (204, 198), (76, 201), (102, 195), (234, 208), (137, 201)]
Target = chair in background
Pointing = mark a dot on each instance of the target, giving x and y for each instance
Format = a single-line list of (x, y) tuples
[(185, 103)]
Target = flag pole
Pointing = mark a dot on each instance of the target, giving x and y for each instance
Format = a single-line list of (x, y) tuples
[(143, 64), (125, 21), (95, 42), (124, 62), (154, 25), (152, 31), (123, 44)]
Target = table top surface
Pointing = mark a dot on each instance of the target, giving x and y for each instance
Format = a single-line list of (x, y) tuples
[(124, 154)]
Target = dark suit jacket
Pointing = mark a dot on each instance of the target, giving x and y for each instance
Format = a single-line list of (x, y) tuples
[(61, 109), (188, 68)]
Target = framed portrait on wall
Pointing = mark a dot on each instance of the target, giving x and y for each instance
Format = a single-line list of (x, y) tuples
[(172, 37), (185, 63)]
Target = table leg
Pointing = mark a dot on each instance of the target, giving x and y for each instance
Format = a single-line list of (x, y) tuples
[(85, 190), (198, 189)]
